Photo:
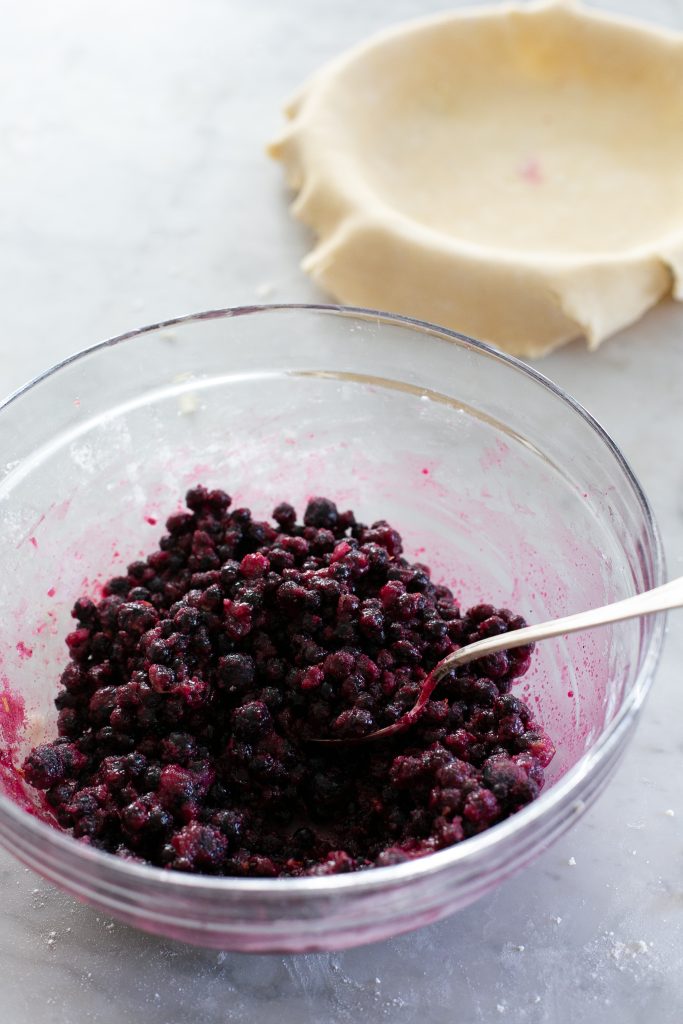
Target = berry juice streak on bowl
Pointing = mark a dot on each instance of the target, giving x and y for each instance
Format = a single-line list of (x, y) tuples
[(12, 723), (13, 730)]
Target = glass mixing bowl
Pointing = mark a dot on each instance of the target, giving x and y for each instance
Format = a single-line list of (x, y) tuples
[(498, 480)]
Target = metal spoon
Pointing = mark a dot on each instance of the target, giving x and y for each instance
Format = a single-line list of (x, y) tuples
[(669, 595)]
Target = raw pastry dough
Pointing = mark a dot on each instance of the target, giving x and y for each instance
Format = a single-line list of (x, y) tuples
[(514, 172)]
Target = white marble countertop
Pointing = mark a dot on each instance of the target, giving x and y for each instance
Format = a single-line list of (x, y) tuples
[(133, 187)]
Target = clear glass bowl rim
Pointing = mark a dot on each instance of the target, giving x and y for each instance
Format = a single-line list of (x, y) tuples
[(605, 748)]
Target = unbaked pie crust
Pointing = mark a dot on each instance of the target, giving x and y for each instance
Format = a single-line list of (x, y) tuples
[(514, 172)]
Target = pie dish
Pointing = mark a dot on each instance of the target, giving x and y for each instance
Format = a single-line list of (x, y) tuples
[(513, 172)]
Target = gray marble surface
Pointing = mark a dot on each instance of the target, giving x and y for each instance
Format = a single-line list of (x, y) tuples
[(133, 186)]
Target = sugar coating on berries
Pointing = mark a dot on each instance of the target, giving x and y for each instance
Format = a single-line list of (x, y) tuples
[(196, 682)]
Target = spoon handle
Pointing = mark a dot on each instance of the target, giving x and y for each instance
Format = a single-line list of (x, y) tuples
[(669, 595)]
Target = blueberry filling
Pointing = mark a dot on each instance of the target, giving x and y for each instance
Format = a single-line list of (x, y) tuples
[(195, 684)]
